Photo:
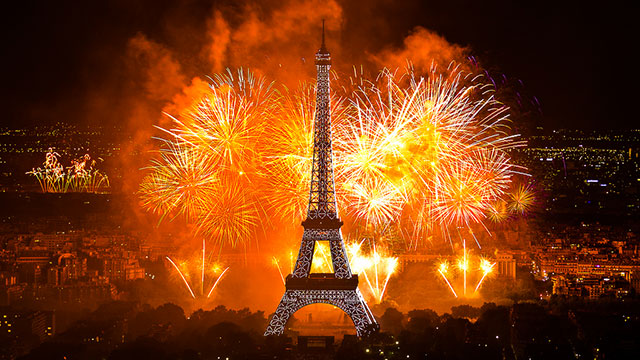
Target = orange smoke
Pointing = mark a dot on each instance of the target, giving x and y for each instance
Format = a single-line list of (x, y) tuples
[(423, 48), (275, 40)]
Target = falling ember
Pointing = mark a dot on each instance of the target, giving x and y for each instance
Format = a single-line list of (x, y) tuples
[(463, 265)]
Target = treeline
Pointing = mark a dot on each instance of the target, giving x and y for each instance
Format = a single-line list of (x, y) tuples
[(556, 329)]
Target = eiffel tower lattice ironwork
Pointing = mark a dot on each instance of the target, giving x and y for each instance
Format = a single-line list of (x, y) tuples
[(339, 288)]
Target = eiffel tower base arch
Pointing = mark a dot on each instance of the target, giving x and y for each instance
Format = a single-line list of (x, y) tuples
[(350, 301)]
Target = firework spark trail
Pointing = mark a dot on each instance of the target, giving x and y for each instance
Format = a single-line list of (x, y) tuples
[(277, 264), (186, 283), (443, 270), (202, 279), (463, 263), (217, 281), (390, 270), (486, 267), (376, 267), (198, 266)]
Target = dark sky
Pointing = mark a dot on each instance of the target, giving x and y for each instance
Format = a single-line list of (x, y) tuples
[(575, 58)]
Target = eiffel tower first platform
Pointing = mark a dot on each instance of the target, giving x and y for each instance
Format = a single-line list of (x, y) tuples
[(339, 288)]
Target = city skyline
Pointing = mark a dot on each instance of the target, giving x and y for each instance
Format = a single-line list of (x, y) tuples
[(186, 181)]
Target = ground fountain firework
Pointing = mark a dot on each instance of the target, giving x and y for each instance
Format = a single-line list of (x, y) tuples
[(199, 271), (80, 176), (465, 266)]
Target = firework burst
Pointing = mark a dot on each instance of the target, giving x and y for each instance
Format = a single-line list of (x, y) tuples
[(415, 152), (211, 170), (180, 182), (288, 156), (231, 216), (522, 199), (424, 151)]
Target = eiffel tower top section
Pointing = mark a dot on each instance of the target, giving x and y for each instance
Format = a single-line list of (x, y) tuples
[(323, 211), (322, 56)]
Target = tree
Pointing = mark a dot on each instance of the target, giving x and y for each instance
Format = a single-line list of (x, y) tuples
[(391, 321)]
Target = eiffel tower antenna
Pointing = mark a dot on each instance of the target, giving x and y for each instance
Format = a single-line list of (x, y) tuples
[(339, 288), (322, 46)]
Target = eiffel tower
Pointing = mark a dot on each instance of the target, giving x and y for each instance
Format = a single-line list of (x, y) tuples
[(339, 288)]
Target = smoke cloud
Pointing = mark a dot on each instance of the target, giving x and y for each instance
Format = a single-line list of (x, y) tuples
[(275, 39)]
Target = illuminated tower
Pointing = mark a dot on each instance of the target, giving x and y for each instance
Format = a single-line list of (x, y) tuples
[(339, 288)]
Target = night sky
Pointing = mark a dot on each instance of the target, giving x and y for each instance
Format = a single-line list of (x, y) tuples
[(575, 58)]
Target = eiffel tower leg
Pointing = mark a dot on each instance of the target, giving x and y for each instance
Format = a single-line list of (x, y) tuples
[(349, 301), (339, 258), (288, 305), (356, 307), (305, 256)]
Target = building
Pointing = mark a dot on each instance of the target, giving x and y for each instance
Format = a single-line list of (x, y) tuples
[(506, 265)]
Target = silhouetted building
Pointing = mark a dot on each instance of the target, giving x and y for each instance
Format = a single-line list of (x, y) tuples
[(315, 347), (506, 265)]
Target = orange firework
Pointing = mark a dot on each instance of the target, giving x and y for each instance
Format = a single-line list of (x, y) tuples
[(412, 151), (498, 211), (231, 215), (423, 151), (288, 155), (467, 190), (227, 123), (522, 199), (211, 172), (180, 182)]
